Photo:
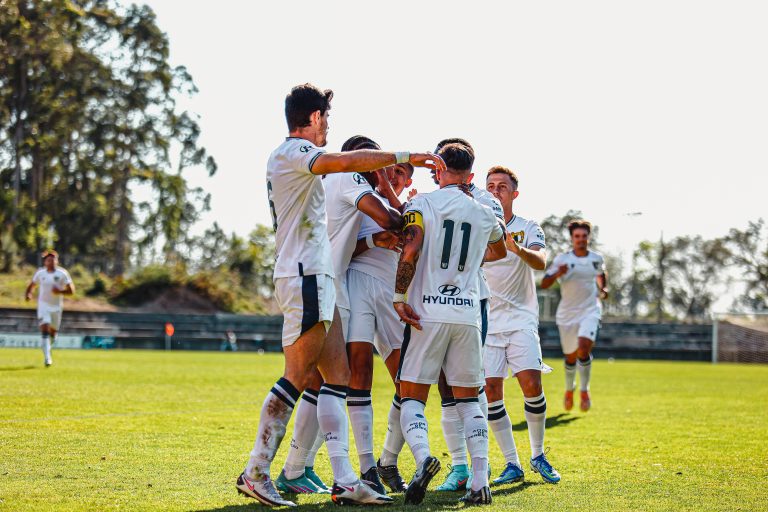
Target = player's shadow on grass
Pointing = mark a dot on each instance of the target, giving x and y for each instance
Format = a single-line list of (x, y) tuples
[(553, 421), (16, 368)]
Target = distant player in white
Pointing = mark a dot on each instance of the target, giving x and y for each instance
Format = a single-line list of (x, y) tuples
[(513, 344), (305, 292), (583, 282), (349, 198), (448, 235), (374, 323), (54, 283)]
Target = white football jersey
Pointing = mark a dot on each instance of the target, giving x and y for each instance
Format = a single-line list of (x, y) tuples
[(46, 281), (457, 230), (342, 192), (578, 287), (485, 198), (297, 202), (376, 262), (514, 305)]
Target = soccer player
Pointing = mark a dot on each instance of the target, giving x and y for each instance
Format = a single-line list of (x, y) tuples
[(349, 198), (513, 344), (374, 322), (583, 282), (305, 292), (452, 426), (448, 235), (54, 282)]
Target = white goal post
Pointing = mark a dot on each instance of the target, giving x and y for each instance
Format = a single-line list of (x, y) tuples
[(740, 337)]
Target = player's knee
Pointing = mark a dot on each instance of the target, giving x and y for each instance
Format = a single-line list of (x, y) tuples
[(494, 388), (571, 358), (531, 387)]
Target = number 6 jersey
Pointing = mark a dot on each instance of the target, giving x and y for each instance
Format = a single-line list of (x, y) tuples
[(457, 230)]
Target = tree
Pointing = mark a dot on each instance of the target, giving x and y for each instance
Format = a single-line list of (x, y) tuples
[(695, 269), (88, 113), (749, 251)]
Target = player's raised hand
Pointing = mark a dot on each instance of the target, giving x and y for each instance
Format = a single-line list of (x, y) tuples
[(429, 160), (407, 314), (412, 193), (562, 269)]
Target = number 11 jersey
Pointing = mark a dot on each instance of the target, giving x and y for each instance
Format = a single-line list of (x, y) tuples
[(457, 230)]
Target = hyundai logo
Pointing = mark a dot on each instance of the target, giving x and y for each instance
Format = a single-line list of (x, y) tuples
[(450, 290)]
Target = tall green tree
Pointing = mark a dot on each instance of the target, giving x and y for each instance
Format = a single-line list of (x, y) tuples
[(88, 113), (749, 252)]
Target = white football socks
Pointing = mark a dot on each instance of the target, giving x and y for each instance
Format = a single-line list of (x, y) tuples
[(332, 416), (305, 434), (453, 432), (476, 431), (536, 417), (394, 440), (585, 372), (499, 421), (315, 448), (570, 376), (482, 399), (275, 414), (45, 343), (361, 416), (415, 429)]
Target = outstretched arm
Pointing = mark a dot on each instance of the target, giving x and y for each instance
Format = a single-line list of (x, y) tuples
[(550, 279), (364, 160), (535, 257), (67, 290)]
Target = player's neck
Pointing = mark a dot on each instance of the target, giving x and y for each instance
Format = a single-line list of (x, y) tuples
[(508, 214), (305, 133), (581, 252)]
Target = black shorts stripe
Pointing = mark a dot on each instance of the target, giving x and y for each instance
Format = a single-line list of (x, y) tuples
[(403, 349), (310, 303), (483, 320), (536, 410)]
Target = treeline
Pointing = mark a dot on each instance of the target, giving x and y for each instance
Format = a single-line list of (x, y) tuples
[(683, 277), (88, 117)]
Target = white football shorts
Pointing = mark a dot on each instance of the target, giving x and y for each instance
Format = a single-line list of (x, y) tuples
[(49, 316), (454, 348), (513, 352), (373, 318), (569, 334), (304, 301)]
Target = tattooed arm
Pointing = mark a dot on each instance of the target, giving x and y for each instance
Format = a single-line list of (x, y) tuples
[(406, 268)]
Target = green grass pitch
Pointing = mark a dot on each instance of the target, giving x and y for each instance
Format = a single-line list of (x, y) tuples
[(133, 430)]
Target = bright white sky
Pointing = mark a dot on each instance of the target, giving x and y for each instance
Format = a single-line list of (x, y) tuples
[(607, 107)]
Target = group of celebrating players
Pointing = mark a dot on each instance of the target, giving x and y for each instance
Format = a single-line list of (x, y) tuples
[(442, 286)]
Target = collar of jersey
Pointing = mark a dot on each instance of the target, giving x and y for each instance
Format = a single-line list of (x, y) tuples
[(512, 219), (585, 256)]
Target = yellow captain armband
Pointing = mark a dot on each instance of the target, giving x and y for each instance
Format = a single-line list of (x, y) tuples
[(414, 217)]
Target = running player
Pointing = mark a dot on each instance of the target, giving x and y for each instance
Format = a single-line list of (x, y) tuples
[(348, 197), (451, 234), (305, 292), (583, 282), (513, 332), (374, 322), (54, 282)]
